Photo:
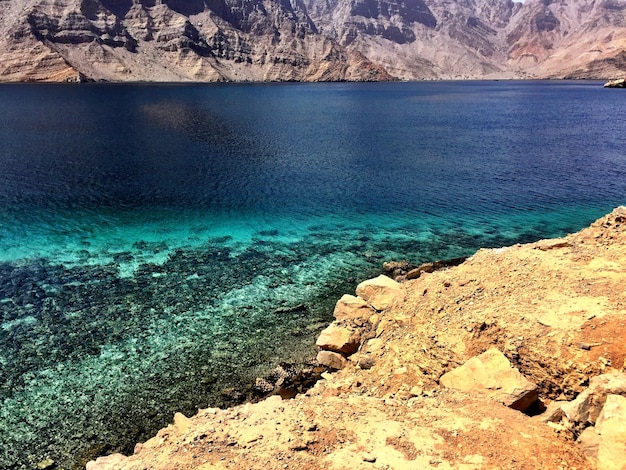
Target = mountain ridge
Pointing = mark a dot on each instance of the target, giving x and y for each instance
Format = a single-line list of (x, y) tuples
[(310, 40)]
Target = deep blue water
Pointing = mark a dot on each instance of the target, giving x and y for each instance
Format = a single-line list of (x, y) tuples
[(153, 238)]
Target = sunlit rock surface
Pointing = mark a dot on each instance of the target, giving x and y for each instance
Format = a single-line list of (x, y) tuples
[(309, 40)]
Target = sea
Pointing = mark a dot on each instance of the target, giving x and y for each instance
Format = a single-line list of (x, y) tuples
[(161, 246)]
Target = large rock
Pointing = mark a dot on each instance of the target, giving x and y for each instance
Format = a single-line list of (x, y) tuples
[(589, 443), (339, 339), (490, 374), (586, 408), (379, 292), (331, 359), (350, 307), (611, 426), (619, 83)]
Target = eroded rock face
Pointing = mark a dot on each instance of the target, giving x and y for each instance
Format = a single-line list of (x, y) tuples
[(258, 40), (388, 19), (585, 409), (309, 40)]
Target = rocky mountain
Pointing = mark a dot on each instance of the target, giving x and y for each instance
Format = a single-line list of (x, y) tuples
[(171, 40), (309, 40)]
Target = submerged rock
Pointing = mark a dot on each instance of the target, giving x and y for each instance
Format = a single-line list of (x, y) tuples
[(397, 269), (433, 266)]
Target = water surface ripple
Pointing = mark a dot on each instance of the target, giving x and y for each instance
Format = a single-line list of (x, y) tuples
[(160, 245)]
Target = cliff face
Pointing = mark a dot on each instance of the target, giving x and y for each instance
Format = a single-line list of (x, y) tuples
[(565, 38), (309, 40), (171, 40), (481, 38)]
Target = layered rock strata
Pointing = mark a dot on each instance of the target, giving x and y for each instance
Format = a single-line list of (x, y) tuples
[(309, 40), (551, 314)]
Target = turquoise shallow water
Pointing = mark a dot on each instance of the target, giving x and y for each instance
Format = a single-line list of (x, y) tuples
[(154, 238)]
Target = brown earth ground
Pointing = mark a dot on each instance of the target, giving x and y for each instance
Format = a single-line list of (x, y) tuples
[(555, 308)]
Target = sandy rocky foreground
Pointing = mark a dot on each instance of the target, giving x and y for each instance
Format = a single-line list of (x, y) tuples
[(513, 359)]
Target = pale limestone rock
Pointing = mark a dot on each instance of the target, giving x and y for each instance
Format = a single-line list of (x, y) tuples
[(611, 426), (181, 422), (584, 410), (110, 462), (331, 359), (339, 339), (589, 442), (491, 374), (350, 307), (379, 292), (619, 83)]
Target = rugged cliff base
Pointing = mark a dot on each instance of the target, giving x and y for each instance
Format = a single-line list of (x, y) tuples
[(513, 359), (309, 40)]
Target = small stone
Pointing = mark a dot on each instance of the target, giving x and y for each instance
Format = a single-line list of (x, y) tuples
[(45, 464), (369, 458), (414, 273), (366, 362), (433, 266), (107, 462), (262, 386), (374, 320), (589, 443), (545, 245), (553, 412)]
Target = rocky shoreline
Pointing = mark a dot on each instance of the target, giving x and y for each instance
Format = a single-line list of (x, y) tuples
[(514, 358)]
